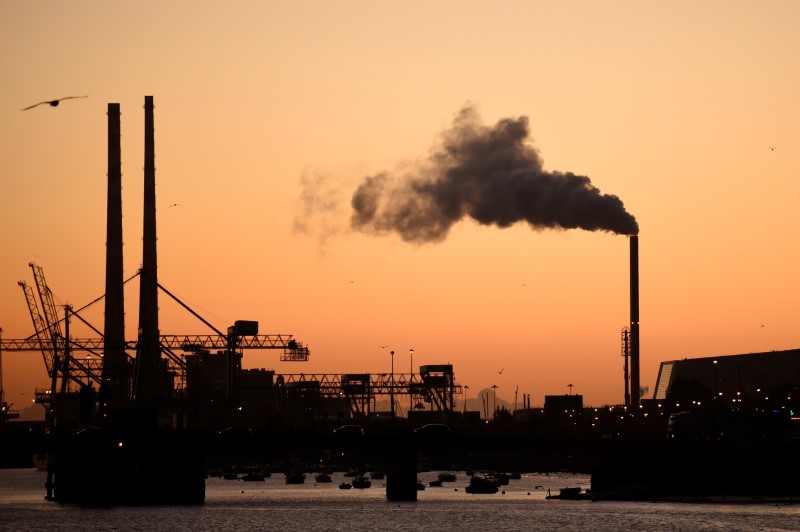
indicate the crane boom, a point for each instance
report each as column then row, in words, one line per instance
column 35, row 342
column 184, row 342
column 48, row 304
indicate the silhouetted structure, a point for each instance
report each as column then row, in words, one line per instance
column 152, row 385
column 116, row 371
column 634, row 327
column 563, row 405
column 753, row 381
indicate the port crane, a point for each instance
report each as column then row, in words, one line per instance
column 79, row 361
column 433, row 385
column 5, row 409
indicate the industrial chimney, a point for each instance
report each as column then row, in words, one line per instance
column 634, row 330
column 148, row 384
column 115, row 386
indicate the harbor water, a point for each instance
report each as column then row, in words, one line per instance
column 273, row 505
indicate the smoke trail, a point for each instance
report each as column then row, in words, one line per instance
column 490, row 175
column 320, row 210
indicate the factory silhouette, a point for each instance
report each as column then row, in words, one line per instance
column 120, row 412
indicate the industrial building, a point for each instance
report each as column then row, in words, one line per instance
column 767, row 380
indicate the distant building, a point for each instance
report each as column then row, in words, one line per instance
column 563, row 405
column 762, row 379
column 258, row 395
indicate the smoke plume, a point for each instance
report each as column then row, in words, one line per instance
column 489, row 174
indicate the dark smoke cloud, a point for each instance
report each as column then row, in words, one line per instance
column 489, row 174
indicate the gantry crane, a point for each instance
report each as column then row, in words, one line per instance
column 5, row 409
column 79, row 360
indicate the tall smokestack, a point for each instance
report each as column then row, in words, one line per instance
column 148, row 383
column 115, row 387
column 635, row 388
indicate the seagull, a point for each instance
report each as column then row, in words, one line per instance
column 501, row 371
column 771, row 148
column 53, row 103
column 176, row 205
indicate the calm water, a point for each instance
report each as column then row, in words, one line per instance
column 272, row 505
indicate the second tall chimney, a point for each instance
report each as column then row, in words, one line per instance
column 149, row 383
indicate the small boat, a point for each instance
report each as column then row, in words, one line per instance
column 377, row 475
column 516, row 475
column 482, row 484
column 295, row 477
column 502, row 478
column 571, row 494
column 420, row 486
column 447, row 477
column 435, row 483
column 361, row 482
column 345, row 486
column 253, row 477
column 323, row 478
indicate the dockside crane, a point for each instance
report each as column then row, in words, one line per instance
column 55, row 345
column 80, row 360
column 5, row 409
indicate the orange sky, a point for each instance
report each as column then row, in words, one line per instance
column 670, row 107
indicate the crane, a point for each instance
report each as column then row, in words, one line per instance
column 58, row 347
column 5, row 409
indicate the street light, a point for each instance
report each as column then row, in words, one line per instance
column 494, row 399
column 715, row 378
column 410, row 386
column 391, row 385
column 465, row 398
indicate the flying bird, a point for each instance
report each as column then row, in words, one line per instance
column 53, row 103
column 176, row 205
column 501, row 371
column 771, row 148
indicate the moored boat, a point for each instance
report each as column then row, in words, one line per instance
column 361, row 482
column 295, row 477
column 482, row 484
column 571, row 494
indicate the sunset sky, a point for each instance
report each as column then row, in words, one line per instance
column 269, row 115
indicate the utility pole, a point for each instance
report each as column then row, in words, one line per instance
column 411, row 386
column 391, row 385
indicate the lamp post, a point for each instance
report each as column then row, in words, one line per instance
column 410, row 385
column 715, row 379
column 465, row 398
column 494, row 399
column 391, row 385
